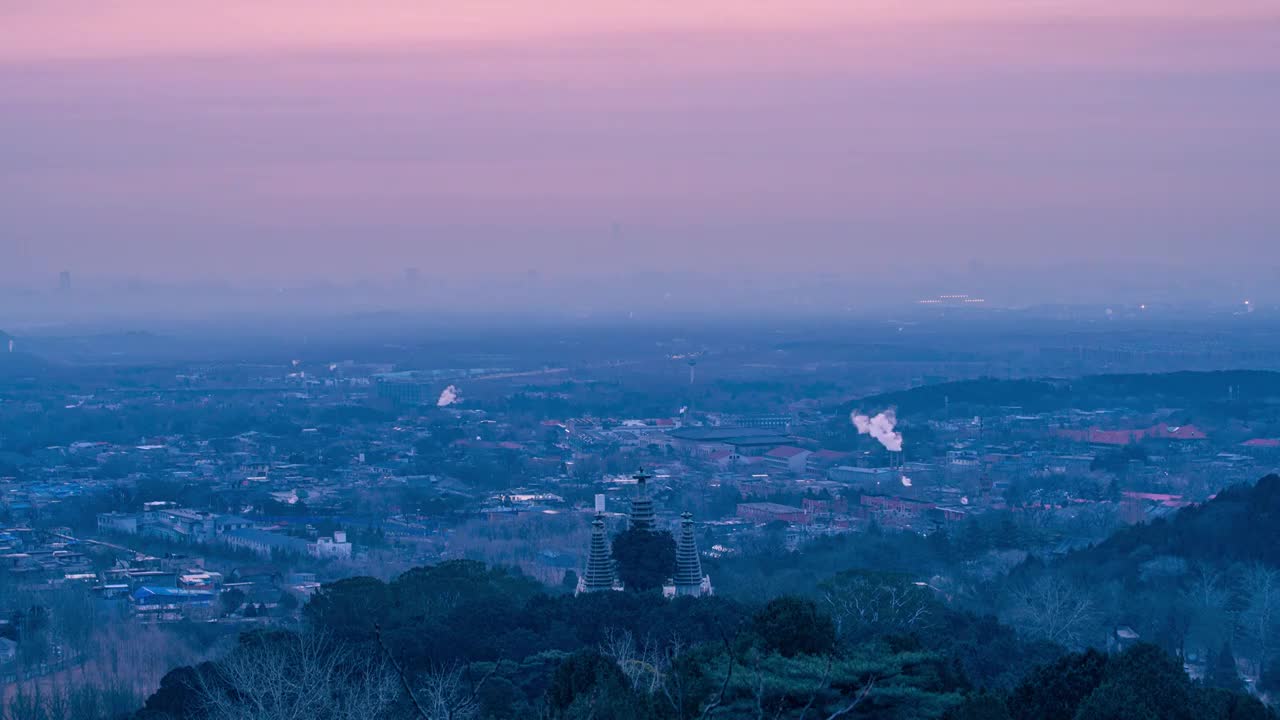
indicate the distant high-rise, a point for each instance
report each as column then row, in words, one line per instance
column 642, row 505
column 599, row 575
column 64, row 280
column 689, row 579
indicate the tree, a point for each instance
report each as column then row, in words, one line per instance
column 982, row 706
column 570, row 581
column 1146, row 678
column 231, row 600
column 1260, row 618
column 1269, row 680
column 1222, row 672
column 287, row 676
column 863, row 602
column 1054, row 610
column 442, row 696
column 644, row 560
column 588, row 684
column 1116, row 701
column 1052, row 692
column 794, row 626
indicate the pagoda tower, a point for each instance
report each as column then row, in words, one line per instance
column 599, row 574
column 642, row 505
column 689, row 579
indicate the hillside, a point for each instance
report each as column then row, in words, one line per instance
column 18, row 364
column 1207, row 391
column 1240, row 525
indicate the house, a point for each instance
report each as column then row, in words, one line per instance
column 167, row 604
column 823, row 459
column 1163, row 431
column 1121, row 638
column 865, row 478
column 335, row 547
column 264, row 543
column 724, row 458
column 767, row 512
column 789, row 457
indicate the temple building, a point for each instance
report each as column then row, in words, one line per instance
column 688, row 578
column 642, row 517
column 599, row 574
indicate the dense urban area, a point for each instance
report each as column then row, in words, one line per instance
column 958, row 512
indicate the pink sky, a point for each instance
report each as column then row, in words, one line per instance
column 196, row 138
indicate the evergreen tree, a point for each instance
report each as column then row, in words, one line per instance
column 644, row 560
column 794, row 626
column 982, row 706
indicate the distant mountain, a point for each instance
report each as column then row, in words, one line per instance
column 18, row 364
column 1210, row 390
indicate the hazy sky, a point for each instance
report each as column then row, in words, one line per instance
column 299, row 139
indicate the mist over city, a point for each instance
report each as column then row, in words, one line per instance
column 498, row 360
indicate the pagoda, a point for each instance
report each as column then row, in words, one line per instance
column 599, row 574
column 688, row 579
column 642, row 505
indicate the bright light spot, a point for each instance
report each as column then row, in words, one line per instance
column 906, row 481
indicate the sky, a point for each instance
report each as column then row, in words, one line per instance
column 315, row 140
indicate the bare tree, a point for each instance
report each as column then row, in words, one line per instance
column 1260, row 590
column 1208, row 598
column 1053, row 609
column 866, row 601
column 296, row 677
column 645, row 665
column 443, row 695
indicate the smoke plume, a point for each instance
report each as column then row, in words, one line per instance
column 448, row 397
column 879, row 427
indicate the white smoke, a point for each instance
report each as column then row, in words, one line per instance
column 448, row 397
column 906, row 481
column 684, row 409
column 879, row 427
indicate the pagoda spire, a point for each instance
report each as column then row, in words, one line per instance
column 599, row 574
column 642, row 517
column 689, row 579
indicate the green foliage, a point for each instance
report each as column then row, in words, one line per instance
column 559, row 656
column 982, row 706
column 794, row 626
column 644, row 560
column 1052, row 692
column 587, row 684
column 1142, row 683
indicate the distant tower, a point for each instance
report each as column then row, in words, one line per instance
column 689, row 579
column 64, row 281
column 599, row 575
column 642, row 504
column 693, row 363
